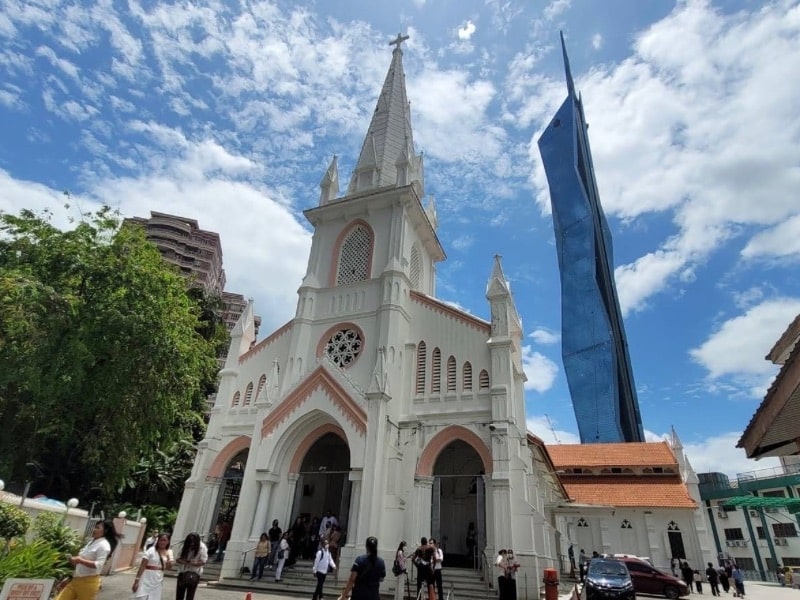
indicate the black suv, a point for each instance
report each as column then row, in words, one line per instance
column 607, row 579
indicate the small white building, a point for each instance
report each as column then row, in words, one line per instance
column 640, row 499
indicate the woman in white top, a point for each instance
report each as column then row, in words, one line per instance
column 438, row 559
column 283, row 554
column 150, row 577
column 85, row 583
column 323, row 562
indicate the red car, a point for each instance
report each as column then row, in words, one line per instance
column 649, row 580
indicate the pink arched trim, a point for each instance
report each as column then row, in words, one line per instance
column 354, row 414
column 442, row 439
column 337, row 249
column 226, row 455
column 310, row 440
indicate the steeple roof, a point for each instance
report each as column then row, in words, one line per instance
column 387, row 155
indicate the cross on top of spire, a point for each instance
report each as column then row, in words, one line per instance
column 398, row 40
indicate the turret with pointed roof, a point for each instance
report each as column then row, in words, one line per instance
column 387, row 155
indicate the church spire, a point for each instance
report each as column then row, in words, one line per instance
column 387, row 155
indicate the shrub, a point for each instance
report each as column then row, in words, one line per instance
column 51, row 528
column 14, row 522
column 35, row 560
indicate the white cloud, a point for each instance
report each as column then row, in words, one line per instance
column 781, row 240
column 540, row 370
column 545, row 428
column 556, row 8
column 545, row 336
column 597, row 41
column 719, row 454
column 737, row 348
column 466, row 30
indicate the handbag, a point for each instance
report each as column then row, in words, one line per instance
column 190, row 578
column 396, row 569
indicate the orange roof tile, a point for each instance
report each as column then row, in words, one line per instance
column 655, row 491
column 631, row 454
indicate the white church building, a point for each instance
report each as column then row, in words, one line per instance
column 401, row 414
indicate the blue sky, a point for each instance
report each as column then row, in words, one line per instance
column 230, row 112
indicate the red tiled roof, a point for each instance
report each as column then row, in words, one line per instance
column 654, row 491
column 632, row 454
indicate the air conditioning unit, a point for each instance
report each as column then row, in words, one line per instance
column 737, row 542
column 781, row 542
column 722, row 514
column 753, row 513
column 729, row 542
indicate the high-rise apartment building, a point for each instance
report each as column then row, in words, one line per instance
column 197, row 253
column 594, row 346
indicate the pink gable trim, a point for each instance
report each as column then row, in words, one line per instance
column 451, row 312
column 265, row 342
column 442, row 439
column 226, row 454
column 319, row 378
column 310, row 440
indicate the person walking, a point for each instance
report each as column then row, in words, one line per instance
column 334, row 542
column 400, row 570
column 422, row 562
column 283, row 555
column 675, row 565
column 194, row 554
column 698, row 581
column 366, row 574
column 274, row 534
column 738, row 581
column 687, row 573
column 713, row 579
column 724, row 581
column 582, row 564
column 438, row 558
column 571, row 555
column 149, row 579
column 500, row 565
column 223, row 535
column 262, row 554
column 323, row 562
column 512, row 566
column 88, row 563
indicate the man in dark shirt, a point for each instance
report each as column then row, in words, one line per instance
column 713, row 579
column 423, row 560
column 274, row 534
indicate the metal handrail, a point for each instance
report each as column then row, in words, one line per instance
column 486, row 575
column 244, row 559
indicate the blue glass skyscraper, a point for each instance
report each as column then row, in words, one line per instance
column 594, row 346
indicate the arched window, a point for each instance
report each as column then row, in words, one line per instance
column 414, row 268
column 354, row 256
column 422, row 359
column 262, row 381
column 483, row 380
column 248, row 394
column 466, row 381
column 235, row 402
column 451, row 374
column 436, row 371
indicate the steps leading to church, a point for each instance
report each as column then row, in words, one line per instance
column 300, row 581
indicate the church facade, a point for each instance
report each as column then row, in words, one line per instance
column 399, row 413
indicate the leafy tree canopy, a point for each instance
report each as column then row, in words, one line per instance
column 105, row 357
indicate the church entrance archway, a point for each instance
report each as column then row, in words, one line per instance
column 228, row 499
column 324, row 483
column 459, row 502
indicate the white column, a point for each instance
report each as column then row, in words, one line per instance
column 423, row 489
column 211, row 491
column 355, row 525
column 258, row 526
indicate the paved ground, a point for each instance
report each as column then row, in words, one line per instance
column 754, row 590
column 118, row 587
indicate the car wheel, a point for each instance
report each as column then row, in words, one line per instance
column 672, row 592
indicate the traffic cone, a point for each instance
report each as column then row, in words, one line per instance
column 249, row 596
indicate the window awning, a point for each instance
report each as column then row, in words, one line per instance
column 790, row 504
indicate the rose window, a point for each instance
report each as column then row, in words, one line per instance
column 344, row 347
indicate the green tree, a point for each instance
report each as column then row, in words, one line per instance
column 103, row 359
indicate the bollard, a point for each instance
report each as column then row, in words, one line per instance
column 550, row 584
